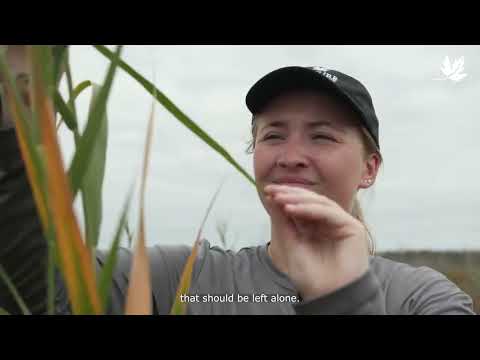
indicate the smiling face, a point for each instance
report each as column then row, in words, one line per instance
column 309, row 139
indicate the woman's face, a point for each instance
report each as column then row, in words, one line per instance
column 308, row 139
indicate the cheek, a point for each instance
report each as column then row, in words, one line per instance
column 262, row 163
column 341, row 173
column 344, row 167
column 346, row 162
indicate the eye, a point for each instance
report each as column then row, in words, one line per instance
column 323, row 137
column 272, row 137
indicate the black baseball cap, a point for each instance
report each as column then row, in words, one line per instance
column 352, row 91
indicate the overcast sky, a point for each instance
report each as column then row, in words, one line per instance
column 427, row 195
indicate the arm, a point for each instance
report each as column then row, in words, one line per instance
column 362, row 297
column 324, row 250
column 326, row 258
column 409, row 291
column 23, row 250
column 428, row 292
column 166, row 266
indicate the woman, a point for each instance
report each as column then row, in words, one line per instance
column 315, row 145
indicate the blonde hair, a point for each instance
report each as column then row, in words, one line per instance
column 370, row 147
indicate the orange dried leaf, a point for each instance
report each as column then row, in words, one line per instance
column 139, row 294
column 75, row 257
column 179, row 307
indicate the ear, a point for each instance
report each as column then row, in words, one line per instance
column 370, row 170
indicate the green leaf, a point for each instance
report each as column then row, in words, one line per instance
column 4, row 312
column 84, row 152
column 67, row 114
column 13, row 290
column 76, row 262
column 108, row 267
column 28, row 146
column 179, row 307
column 60, row 55
column 175, row 111
column 93, row 180
column 129, row 234
column 46, row 65
column 71, row 101
column 33, row 156
column 78, row 90
column 74, row 94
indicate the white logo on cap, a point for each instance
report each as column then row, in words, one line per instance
column 322, row 70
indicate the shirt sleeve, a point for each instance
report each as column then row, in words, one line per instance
column 429, row 292
column 364, row 296
column 23, row 250
column 166, row 266
column 408, row 291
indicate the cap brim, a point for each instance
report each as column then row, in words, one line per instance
column 287, row 79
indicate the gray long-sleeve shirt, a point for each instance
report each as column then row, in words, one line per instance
column 245, row 282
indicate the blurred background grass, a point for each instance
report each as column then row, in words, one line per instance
column 461, row 267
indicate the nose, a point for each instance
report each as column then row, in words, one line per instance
column 292, row 156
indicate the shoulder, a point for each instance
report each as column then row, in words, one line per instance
column 388, row 270
column 209, row 258
column 174, row 257
column 215, row 257
column 418, row 290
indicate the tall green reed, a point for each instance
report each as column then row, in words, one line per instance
column 37, row 128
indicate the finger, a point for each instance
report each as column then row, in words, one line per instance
column 276, row 209
column 302, row 226
column 275, row 188
column 316, row 212
column 280, row 189
column 297, row 198
column 285, row 223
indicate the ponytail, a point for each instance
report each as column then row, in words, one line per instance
column 357, row 213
